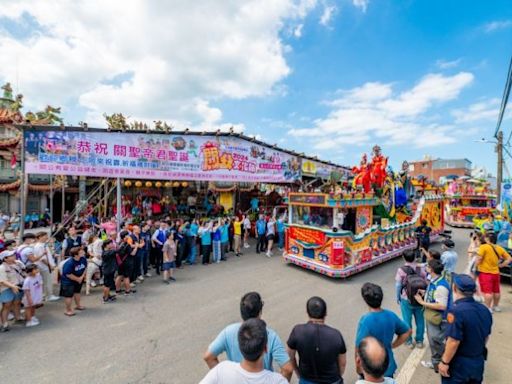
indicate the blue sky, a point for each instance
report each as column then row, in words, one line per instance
column 329, row 78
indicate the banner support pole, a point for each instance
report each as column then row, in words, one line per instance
column 118, row 203
column 23, row 182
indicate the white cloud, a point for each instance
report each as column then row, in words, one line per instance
column 327, row 14
column 486, row 110
column 297, row 32
column 362, row 4
column 444, row 64
column 373, row 112
column 432, row 88
column 181, row 59
column 497, row 25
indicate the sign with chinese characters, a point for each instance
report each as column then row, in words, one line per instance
column 156, row 156
column 307, row 235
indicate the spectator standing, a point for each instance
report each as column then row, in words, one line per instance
column 382, row 324
column 321, row 349
column 216, row 241
column 25, row 252
column 231, row 233
column 237, row 230
column 435, row 301
column 11, row 282
column 449, row 256
column 261, row 230
column 205, row 232
column 169, row 255
column 73, row 240
column 181, row 243
column 73, row 275
column 423, row 235
column 251, row 307
column 145, row 235
column 158, row 240
column 109, row 270
column 491, row 258
column 192, row 234
column 271, row 234
column 372, row 360
column 4, row 222
column 46, row 264
column 139, row 244
column 224, row 239
column 252, row 338
column 32, row 294
column 125, row 263
column 469, row 326
column 408, row 279
column 94, row 250
column 247, row 230
column 280, row 232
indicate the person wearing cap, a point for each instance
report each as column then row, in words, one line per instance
column 467, row 332
column 449, row 256
column 25, row 251
column 43, row 258
column 11, row 281
column 436, row 300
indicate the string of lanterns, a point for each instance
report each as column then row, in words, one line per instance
column 158, row 184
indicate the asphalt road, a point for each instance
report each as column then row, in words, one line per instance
column 160, row 334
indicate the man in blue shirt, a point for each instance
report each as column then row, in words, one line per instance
column 449, row 256
column 261, row 229
column 192, row 232
column 469, row 327
column 224, row 239
column 381, row 324
column 251, row 306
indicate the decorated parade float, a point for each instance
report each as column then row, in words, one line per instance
column 467, row 202
column 342, row 232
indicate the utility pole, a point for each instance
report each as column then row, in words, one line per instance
column 499, row 173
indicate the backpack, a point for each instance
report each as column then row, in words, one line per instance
column 412, row 282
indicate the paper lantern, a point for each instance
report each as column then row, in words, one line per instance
column 184, row 184
column 158, row 184
column 138, row 184
column 148, row 184
column 168, row 184
column 127, row 183
column 176, row 184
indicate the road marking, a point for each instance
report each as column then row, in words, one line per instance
column 407, row 372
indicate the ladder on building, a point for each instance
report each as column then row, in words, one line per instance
column 101, row 193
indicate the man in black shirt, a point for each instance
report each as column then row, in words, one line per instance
column 423, row 236
column 322, row 351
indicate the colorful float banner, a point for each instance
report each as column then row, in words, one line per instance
column 156, row 156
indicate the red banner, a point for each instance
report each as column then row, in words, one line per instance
column 307, row 235
column 474, row 210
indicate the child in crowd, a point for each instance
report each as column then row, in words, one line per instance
column 169, row 257
column 33, row 294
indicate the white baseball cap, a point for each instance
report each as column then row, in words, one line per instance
column 5, row 254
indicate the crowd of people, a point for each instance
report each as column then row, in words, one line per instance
column 317, row 352
column 94, row 252
column 433, row 299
